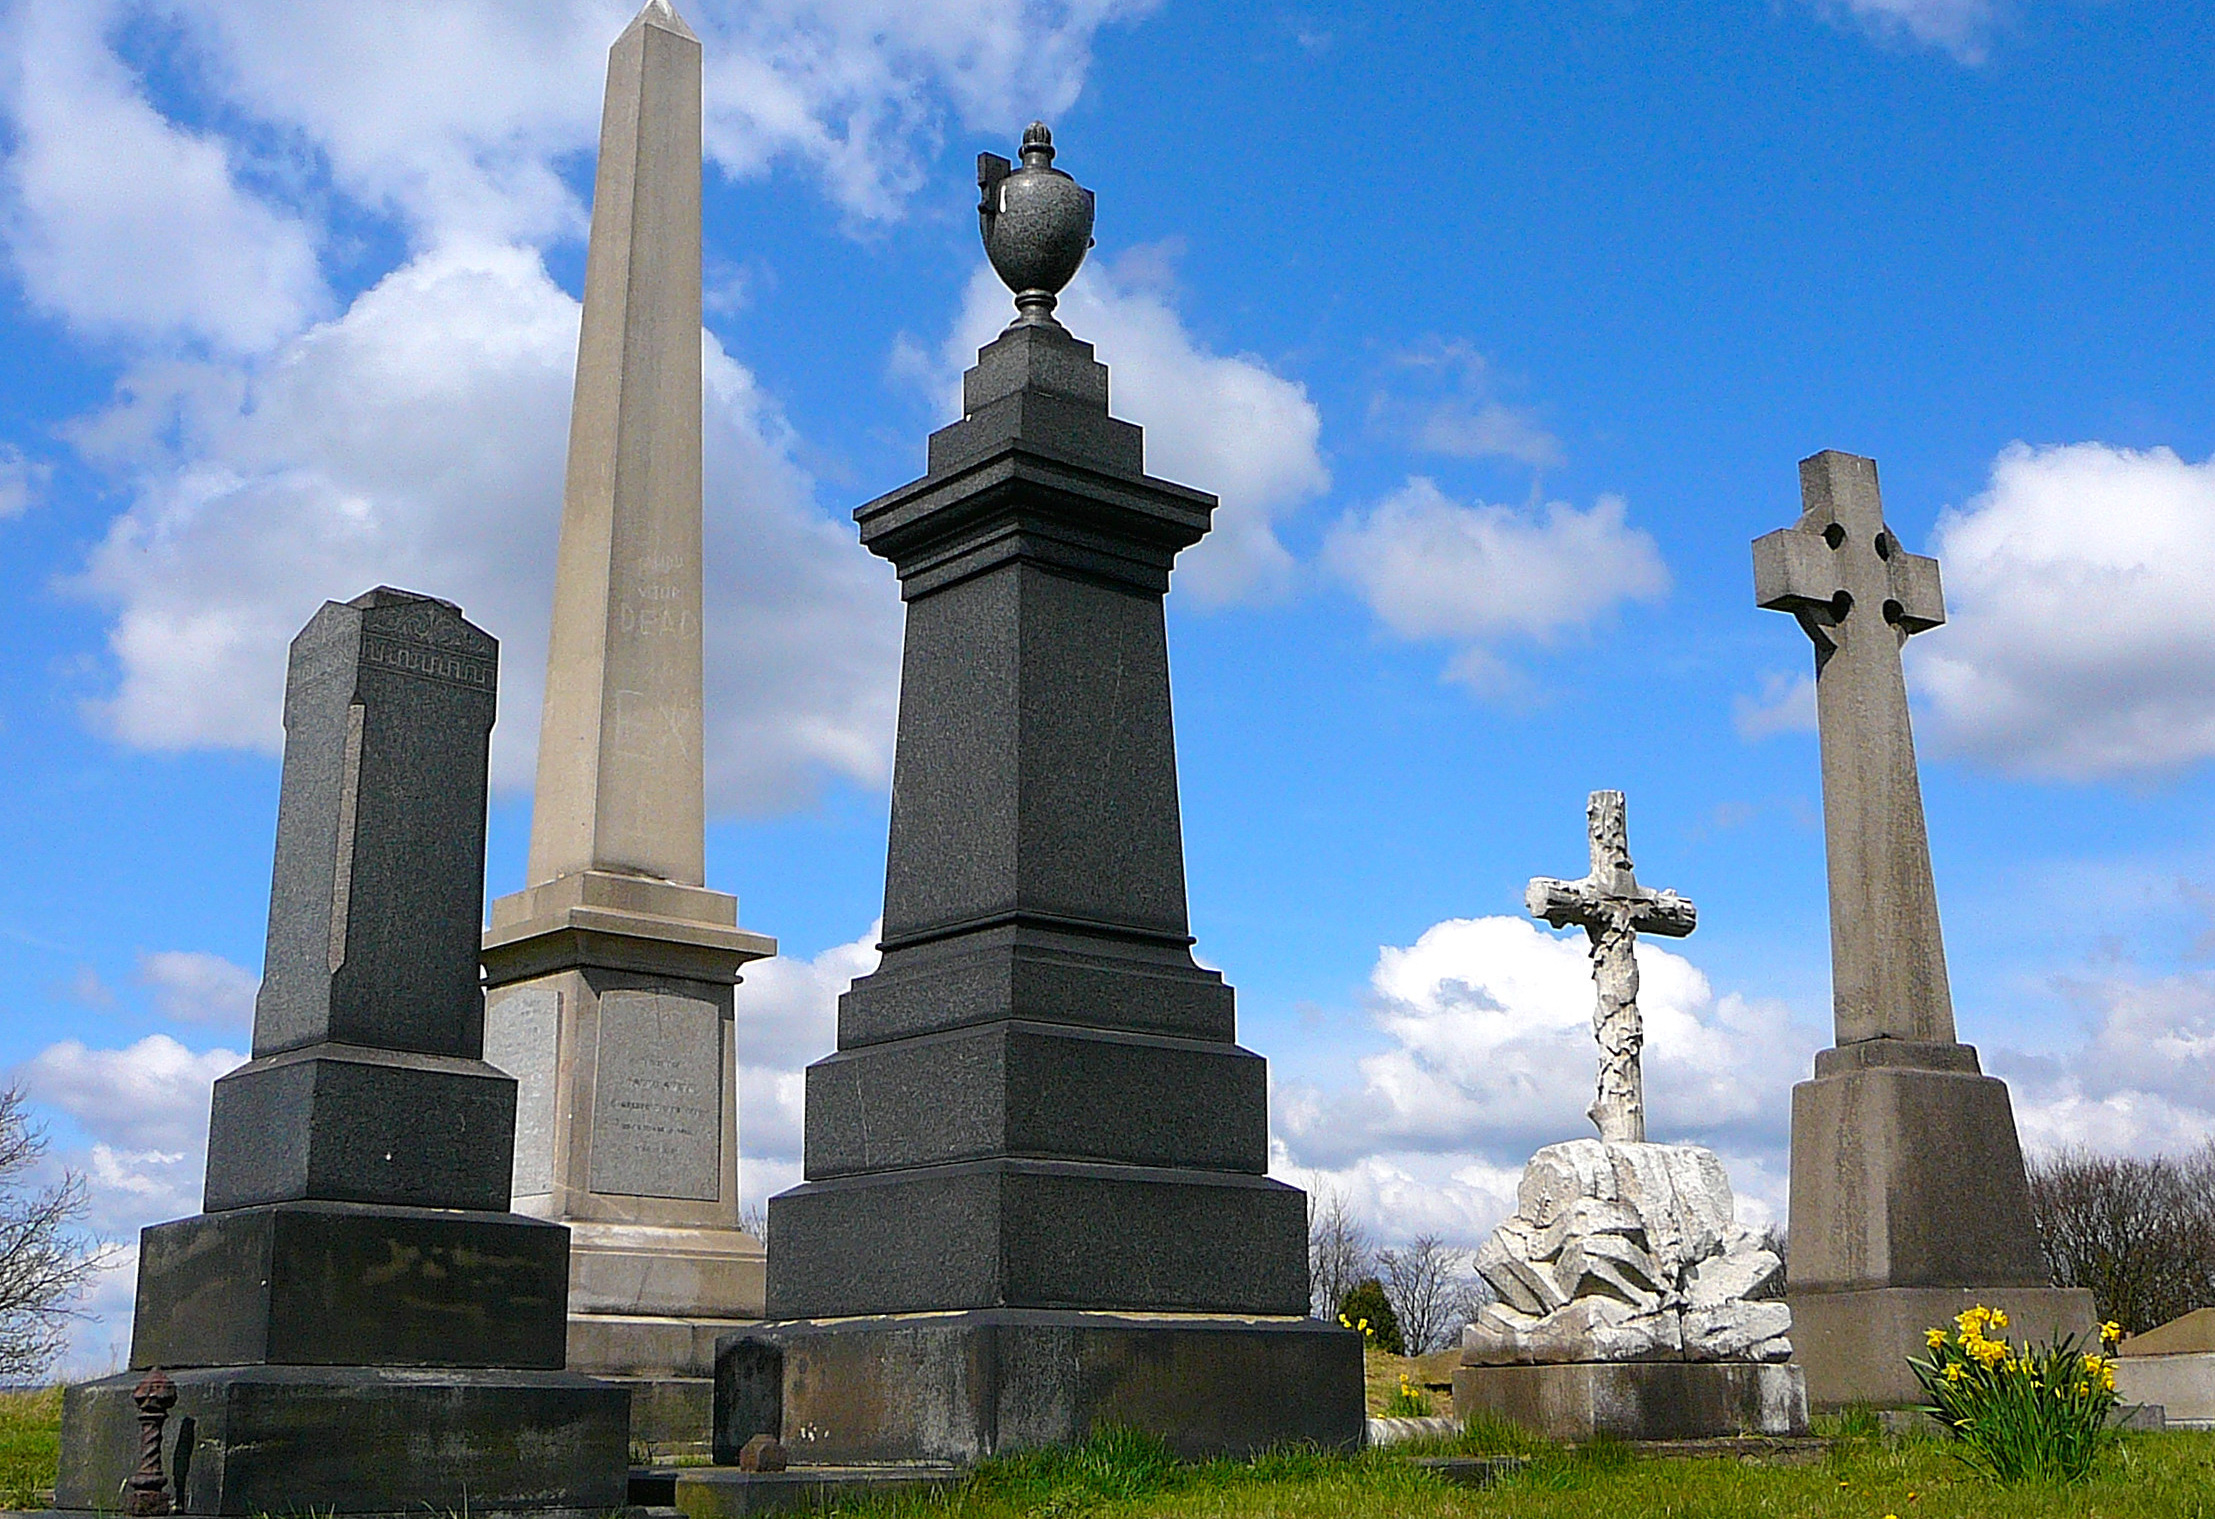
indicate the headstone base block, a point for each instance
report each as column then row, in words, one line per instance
column 961, row 1387
column 247, row 1440
column 1855, row 1345
column 1639, row 1400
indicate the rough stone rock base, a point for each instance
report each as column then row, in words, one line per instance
column 1854, row 1345
column 959, row 1387
column 1638, row 1400
column 348, row 1440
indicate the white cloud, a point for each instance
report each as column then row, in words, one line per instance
column 2081, row 594
column 22, row 480
column 787, row 1013
column 417, row 441
column 1438, row 397
column 1960, row 27
column 150, row 1097
column 125, row 224
column 1786, row 705
column 193, row 986
column 454, row 115
column 2144, row 1080
column 1491, row 1056
column 1430, row 567
column 143, row 1114
column 1227, row 425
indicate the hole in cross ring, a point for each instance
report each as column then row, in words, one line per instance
column 1840, row 605
column 1834, row 535
column 1884, row 545
column 1893, row 612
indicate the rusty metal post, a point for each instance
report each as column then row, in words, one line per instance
column 147, row 1491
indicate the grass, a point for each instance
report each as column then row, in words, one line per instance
column 1125, row 1476
column 1382, row 1370
column 30, row 1446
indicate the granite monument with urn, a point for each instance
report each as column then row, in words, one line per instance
column 357, row 1324
column 1036, row 1198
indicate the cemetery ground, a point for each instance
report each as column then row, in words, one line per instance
column 1851, row 1472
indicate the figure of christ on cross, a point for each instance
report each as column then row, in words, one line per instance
column 1613, row 910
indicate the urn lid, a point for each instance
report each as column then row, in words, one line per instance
column 1037, row 224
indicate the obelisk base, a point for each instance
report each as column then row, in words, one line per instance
column 961, row 1387
column 1639, row 1400
column 1909, row 1204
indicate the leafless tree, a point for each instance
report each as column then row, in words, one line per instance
column 754, row 1219
column 2140, row 1234
column 45, row 1260
column 1424, row 1281
column 1340, row 1251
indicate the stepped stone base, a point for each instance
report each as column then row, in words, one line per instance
column 1638, row 1400
column 960, row 1387
column 249, row 1440
column 1855, row 1345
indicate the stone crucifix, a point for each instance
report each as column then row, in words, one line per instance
column 1858, row 594
column 1613, row 910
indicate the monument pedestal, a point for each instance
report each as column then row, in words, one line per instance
column 609, row 999
column 1639, row 1400
column 961, row 1387
column 1909, row 1204
column 356, row 1440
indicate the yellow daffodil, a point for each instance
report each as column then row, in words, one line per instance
column 2111, row 1331
column 1935, row 1338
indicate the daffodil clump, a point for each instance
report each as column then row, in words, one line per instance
column 1409, row 1402
column 2019, row 1412
column 1368, row 1335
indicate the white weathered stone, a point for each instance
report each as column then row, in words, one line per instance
column 1738, row 1331
column 1729, row 1277
column 1625, row 1252
column 1613, row 910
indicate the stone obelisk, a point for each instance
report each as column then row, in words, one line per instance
column 611, row 975
column 1037, row 1196
column 1908, row 1196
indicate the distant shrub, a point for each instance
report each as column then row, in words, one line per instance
column 2139, row 1234
column 1367, row 1308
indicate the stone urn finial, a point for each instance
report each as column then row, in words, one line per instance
column 1037, row 224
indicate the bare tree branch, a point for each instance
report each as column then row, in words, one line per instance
column 45, row 1260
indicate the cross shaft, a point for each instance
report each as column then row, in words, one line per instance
column 1859, row 596
column 1613, row 910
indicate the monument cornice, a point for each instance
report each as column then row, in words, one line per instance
column 1025, row 501
column 600, row 938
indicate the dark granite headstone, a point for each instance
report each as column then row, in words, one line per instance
column 357, row 1289
column 1037, row 1129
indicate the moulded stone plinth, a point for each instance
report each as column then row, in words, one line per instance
column 1638, row 1400
column 1855, row 1345
column 1040, row 1234
column 959, row 1387
column 1906, row 1172
column 350, row 1440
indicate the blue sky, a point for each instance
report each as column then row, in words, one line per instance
column 1499, row 329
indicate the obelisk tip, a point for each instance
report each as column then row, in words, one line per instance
column 664, row 15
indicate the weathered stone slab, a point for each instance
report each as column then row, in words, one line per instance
column 522, row 1028
column 1638, row 1400
column 2190, row 1334
column 961, row 1387
column 657, row 1105
column 293, row 1440
column 1855, row 1345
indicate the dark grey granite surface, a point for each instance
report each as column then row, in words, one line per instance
column 358, row 1324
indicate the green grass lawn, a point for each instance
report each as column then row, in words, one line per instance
column 2166, row 1476
column 30, row 1446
